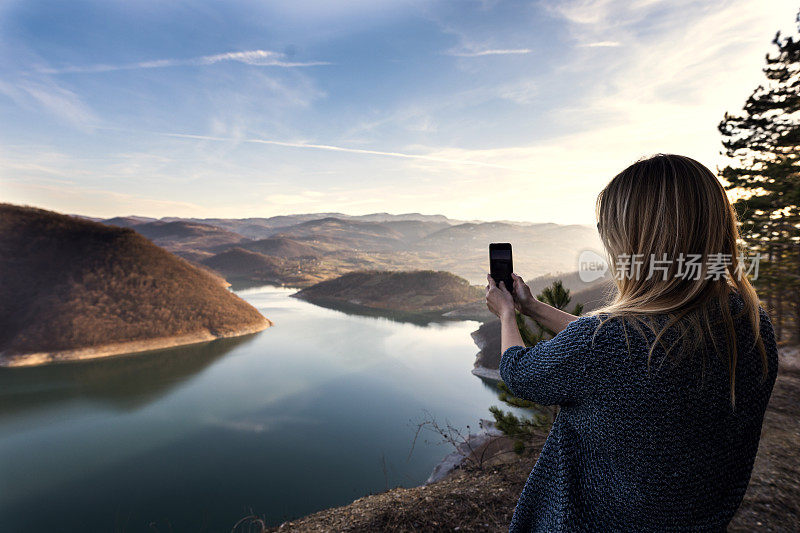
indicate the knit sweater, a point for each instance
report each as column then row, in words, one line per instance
column 638, row 449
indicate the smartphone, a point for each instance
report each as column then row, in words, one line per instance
column 500, row 264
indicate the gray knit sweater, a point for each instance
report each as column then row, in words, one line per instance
column 634, row 449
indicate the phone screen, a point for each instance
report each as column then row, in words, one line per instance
column 500, row 263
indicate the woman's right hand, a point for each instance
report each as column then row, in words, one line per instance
column 523, row 297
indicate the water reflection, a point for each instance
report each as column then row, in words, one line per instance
column 403, row 317
column 316, row 411
column 123, row 383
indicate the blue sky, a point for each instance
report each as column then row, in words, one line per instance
column 473, row 109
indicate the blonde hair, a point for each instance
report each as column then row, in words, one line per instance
column 664, row 208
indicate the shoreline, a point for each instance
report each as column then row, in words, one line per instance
column 489, row 374
column 125, row 348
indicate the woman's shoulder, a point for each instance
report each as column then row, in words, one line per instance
column 592, row 328
column 599, row 324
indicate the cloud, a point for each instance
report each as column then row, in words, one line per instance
column 490, row 52
column 332, row 148
column 259, row 58
column 46, row 95
column 521, row 92
column 599, row 12
column 602, row 44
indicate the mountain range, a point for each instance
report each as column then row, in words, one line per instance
column 307, row 248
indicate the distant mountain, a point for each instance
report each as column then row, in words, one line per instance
column 183, row 235
column 421, row 291
column 76, row 289
column 127, row 222
column 238, row 263
column 258, row 228
column 537, row 248
column 335, row 233
column 281, row 247
column 405, row 217
column 411, row 231
column 478, row 235
column 255, row 227
column 330, row 244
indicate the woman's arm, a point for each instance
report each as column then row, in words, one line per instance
column 552, row 371
column 509, row 332
column 501, row 303
column 555, row 371
column 553, row 319
column 548, row 316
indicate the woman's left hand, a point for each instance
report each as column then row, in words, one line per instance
column 498, row 299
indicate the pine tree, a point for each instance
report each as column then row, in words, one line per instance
column 764, row 142
column 556, row 296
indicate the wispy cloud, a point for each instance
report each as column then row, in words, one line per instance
column 332, row 148
column 489, row 52
column 259, row 58
column 602, row 44
column 49, row 96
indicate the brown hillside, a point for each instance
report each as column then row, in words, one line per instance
column 127, row 222
column 414, row 291
column 181, row 235
column 281, row 247
column 70, row 284
column 241, row 262
column 335, row 234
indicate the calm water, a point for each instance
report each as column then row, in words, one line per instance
column 297, row 418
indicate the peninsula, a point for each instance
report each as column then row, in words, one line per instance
column 77, row 289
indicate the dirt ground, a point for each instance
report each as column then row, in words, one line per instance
column 483, row 499
column 772, row 502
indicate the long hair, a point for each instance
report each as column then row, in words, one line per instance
column 672, row 240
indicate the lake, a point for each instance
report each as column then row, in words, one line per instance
column 314, row 412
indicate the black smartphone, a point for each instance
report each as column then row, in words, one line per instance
column 500, row 264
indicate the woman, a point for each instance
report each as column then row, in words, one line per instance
column 663, row 391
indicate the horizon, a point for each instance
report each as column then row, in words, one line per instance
column 238, row 110
column 325, row 214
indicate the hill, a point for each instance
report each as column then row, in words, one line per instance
column 238, row 263
column 75, row 289
column 259, row 227
column 335, row 233
column 126, row 222
column 183, row 235
column 340, row 243
column 413, row 230
column 421, row 291
column 281, row 247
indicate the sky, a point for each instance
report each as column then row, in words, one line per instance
column 491, row 110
